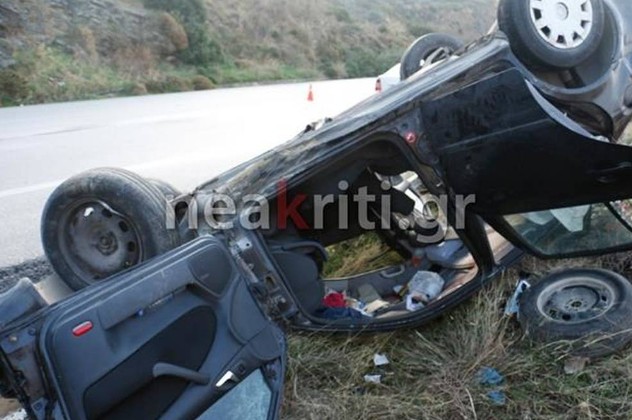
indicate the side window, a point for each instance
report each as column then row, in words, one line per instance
column 250, row 399
column 577, row 229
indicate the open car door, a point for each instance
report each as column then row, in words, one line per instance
column 180, row 337
column 539, row 178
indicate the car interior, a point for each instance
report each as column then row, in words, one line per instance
column 418, row 233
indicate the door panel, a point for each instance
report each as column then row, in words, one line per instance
column 157, row 340
column 535, row 173
column 500, row 140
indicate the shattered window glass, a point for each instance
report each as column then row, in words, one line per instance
column 250, row 399
column 576, row 229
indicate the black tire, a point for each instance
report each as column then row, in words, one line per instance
column 515, row 20
column 590, row 308
column 422, row 48
column 104, row 221
column 167, row 189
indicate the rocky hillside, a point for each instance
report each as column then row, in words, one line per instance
column 54, row 50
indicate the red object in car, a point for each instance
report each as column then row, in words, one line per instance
column 82, row 329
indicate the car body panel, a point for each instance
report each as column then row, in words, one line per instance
column 189, row 311
column 388, row 79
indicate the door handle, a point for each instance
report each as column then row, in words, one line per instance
column 229, row 377
column 388, row 274
column 166, row 369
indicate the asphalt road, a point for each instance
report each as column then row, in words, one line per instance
column 184, row 139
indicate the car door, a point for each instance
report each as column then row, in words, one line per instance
column 180, row 337
column 537, row 176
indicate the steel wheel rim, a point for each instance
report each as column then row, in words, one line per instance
column 435, row 56
column 563, row 24
column 97, row 241
column 576, row 300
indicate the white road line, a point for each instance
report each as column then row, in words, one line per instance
column 173, row 161
column 31, row 188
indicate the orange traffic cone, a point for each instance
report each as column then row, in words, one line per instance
column 310, row 94
column 378, row 86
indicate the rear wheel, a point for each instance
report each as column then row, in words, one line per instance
column 104, row 221
column 427, row 50
column 590, row 308
column 558, row 34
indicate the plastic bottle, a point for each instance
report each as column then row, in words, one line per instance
column 426, row 284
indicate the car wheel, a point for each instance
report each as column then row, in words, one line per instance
column 589, row 307
column 426, row 50
column 165, row 188
column 101, row 222
column 558, row 34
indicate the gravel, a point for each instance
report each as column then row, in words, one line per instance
column 35, row 270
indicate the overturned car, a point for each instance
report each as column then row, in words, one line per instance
column 505, row 146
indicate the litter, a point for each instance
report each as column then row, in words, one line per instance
column 398, row 290
column 575, row 365
column 368, row 294
column 376, row 306
column 335, row 300
column 340, row 313
column 513, row 304
column 380, row 360
column 427, row 284
column 373, row 379
column 422, row 289
column 413, row 304
column 497, row 397
column 490, row 377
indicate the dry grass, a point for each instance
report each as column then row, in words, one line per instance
column 202, row 83
column 175, row 31
column 86, row 41
column 133, row 60
column 433, row 370
column 345, row 261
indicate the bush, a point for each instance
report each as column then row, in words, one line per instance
column 175, row 32
column 201, row 83
column 139, row 89
column 13, row 85
column 202, row 49
column 168, row 84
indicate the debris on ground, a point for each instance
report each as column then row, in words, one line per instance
column 513, row 304
column 424, row 287
column 489, row 377
column 575, row 365
column 497, row 397
column 380, row 360
column 373, row 379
